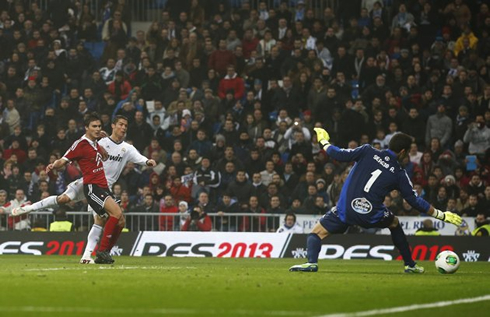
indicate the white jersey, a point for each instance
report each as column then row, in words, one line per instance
column 119, row 155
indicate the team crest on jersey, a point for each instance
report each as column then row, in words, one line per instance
column 123, row 150
column 361, row 205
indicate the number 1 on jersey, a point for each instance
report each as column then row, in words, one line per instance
column 371, row 181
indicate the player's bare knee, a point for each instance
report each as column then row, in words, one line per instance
column 63, row 199
column 320, row 231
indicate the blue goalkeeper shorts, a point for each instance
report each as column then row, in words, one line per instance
column 332, row 222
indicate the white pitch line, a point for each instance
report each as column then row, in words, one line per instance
column 85, row 267
column 156, row 311
column 402, row 309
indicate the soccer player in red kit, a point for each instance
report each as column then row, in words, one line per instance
column 90, row 156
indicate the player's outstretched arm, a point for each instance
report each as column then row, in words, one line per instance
column 151, row 163
column 445, row 216
column 407, row 192
column 59, row 163
column 342, row 155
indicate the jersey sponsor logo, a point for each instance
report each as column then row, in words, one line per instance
column 117, row 158
column 97, row 170
column 361, row 205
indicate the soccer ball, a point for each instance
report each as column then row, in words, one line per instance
column 447, row 262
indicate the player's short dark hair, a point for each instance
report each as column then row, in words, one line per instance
column 91, row 117
column 400, row 141
column 288, row 215
column 119, row 117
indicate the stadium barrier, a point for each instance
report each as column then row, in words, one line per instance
column 145, row 221
column 245, row 245
column 236, row 222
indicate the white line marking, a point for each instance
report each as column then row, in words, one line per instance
column 94, row 267
column 402, row 309
column 155, row 311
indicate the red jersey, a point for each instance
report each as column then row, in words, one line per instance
column 86, row 152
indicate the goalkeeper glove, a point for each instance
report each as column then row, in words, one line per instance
column 448, row 217
column 322, row 137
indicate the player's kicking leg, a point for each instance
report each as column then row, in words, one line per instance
column 74, row 191
column 401, row 243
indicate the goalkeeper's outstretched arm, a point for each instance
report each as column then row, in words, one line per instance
column 445, row 216
column 407, row 192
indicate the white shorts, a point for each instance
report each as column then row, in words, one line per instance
column 74, row 190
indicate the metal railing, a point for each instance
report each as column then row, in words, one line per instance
column 150, row 10
column 138, row 221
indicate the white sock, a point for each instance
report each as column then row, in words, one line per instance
column 92, row 240
column 45, row 203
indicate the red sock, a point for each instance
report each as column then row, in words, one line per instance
column 109, row 230
column 115, row 236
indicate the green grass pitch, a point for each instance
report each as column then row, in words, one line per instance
column 150, row 286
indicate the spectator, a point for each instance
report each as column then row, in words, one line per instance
column 60, row 223
column 231, row 83
column 478, row 136
column 179, row 191
column 15, row 223
column 473, row 209
column 476, row 186
column 119, row 88
column 107, row 73
column 427, row 229
column 482, row 226
column 205, row 179
column 167, row 222
column 290, row 225
column 198, row 220
column 240, row 189
column 226, row 221
column 439, row 126
column 140, row 132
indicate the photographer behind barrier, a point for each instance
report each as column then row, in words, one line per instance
column 198, row 220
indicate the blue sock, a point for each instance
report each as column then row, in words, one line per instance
column 314, row 244
column 400, row 241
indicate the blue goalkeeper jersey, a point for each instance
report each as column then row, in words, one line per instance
column 374, row 174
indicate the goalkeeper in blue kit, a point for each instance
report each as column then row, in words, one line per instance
column 374, row 174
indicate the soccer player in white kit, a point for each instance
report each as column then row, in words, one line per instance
column 119, row 154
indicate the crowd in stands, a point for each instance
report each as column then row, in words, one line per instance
column 225, row 95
